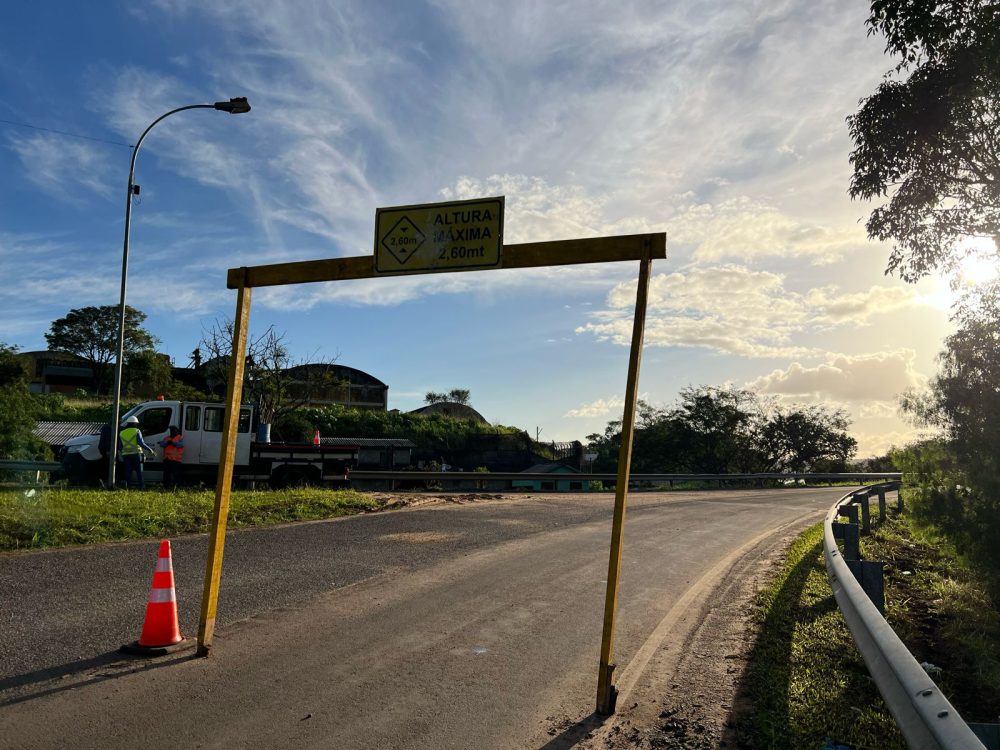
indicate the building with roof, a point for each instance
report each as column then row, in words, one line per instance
column 378, row 453
column 341, row 385
column 56, row 372
column 564, row 479
column 317, row 384
column 57, row 434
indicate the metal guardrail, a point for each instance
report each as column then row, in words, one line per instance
column 467, row 477
column 474, row 476
column 925, row 717
column 8, row 465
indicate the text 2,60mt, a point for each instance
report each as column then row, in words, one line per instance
column 456, row 252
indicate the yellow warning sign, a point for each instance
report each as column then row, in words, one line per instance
column 437, row 237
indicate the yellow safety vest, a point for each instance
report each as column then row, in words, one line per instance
column 130, row 441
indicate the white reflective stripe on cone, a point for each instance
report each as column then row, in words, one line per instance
column 163, row 565
column 158, row 596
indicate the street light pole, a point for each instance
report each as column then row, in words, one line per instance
column 238, row 105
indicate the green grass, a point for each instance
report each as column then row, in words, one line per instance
column 54, row 517
column 942, row 608
column 806, row 680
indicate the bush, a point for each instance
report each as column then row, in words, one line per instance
column 292, row 428
column 940, row 494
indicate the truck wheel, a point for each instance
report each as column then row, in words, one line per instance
column 286, row 477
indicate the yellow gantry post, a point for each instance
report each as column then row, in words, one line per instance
column 227, row 457
column 606, row 693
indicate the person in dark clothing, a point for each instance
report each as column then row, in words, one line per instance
column 131, row 447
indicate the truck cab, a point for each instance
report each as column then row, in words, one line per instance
column 85, row 459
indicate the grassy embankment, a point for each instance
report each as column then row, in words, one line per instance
column 807, row 681
column 54, row 517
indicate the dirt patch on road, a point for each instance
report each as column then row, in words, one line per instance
column 419, row 537
column 395, row 501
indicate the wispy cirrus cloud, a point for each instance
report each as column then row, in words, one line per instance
column 736, row 310
column 60, row 166
column 747, row 229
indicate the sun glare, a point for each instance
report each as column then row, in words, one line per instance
column 981, row 266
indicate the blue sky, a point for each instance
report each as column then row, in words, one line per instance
column 720, row 123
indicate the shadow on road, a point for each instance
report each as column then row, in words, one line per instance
column 576, row 733
column 773, row 647
column 80, row 673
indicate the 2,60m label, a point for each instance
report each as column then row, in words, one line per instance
column 437, row 237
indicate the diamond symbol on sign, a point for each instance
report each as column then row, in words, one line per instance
column 403, row 240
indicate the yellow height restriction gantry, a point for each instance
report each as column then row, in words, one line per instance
column 440, row 238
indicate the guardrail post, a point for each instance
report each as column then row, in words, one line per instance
column 869, row 573
column 899, row 499
column 881, row 504
column 852, row 541
column 988, row 734
column 866, row 518
column 851, row 511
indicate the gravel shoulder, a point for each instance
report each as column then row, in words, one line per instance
column 690, row 696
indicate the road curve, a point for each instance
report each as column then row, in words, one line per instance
column 451, row 626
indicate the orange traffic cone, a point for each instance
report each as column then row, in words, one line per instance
column 316, row 437
column 161, row 632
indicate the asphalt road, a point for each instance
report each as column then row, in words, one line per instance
column 474, row 625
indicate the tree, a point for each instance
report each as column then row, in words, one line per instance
column 148, row 374
column 459, row 396
column 931, row 141
column 92, row 334
column 723, row 429
column 964, row 397
column 811, row 438
column 11, row 369
column 606, row 446
column 274, row 382
column 17, row 410
column 959, row 486
column 728, row 430
column 454, row 396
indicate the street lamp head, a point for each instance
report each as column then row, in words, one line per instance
column 236, row 106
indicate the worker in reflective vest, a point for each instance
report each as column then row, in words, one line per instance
column 130, row 450
column 173, row 456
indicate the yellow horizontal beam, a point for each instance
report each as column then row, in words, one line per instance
column 524, row 255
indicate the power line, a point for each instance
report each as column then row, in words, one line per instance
column 63, row 132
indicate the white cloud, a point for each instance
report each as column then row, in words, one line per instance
column 736, row 310
column 878, row 443
column 878, row 377
column 60, row 166
column 842, row 307
column 535, row 211
column 878, row 410
column 599, row 408
column 744, row 228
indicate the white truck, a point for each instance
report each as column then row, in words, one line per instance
column 85, row 459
